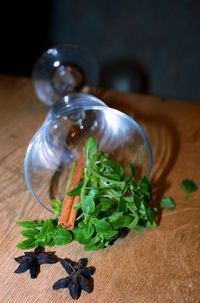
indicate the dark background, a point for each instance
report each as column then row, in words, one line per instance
column 141, row 46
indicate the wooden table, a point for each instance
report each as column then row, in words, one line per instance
column 162, row 265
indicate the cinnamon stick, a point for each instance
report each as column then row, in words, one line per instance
column 73, row 214
column 68, row 201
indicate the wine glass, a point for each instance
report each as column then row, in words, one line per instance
column 73, row 117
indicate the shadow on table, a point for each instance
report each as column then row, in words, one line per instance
column 165, row 143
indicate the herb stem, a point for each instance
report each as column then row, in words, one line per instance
column 107, row 179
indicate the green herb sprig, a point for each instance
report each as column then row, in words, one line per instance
column 111, row 203
column 43, row 233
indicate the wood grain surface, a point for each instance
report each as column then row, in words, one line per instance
column 158, row 266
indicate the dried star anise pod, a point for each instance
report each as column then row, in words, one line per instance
column 32, row 260
column 79, row 278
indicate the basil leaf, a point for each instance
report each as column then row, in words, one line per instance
column 167, row 203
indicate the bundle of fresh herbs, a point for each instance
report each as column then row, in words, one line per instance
column 109, row 203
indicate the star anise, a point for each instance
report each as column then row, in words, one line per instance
column 32, row 260
column 79, row 278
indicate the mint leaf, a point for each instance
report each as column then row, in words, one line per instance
column 188, row 186
column 106, row 204
column 26, row 244
column 27, row 224
column 110, row 234
column 90, row 151
column 77, row 206
column 139, row 228
column 122, row 204
column 62, row 236
column 167, row 203
column 93, row 244
column 127, row 220
column 93, row 192
column 132, row 169
column 151, row 213
column 40, row 233
column 134, row 222
column 76, row 191
column 88, row 230
column 29, row 233
column 88, row 205
column 116, row 220
column 40, row 242
column 113, row 177
column 102, row 226
column 113, row 167
column 47, row 226
column 137, row 201
column 56, row 207
column 130, row 204
column 151, row 225
column 79, row 235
